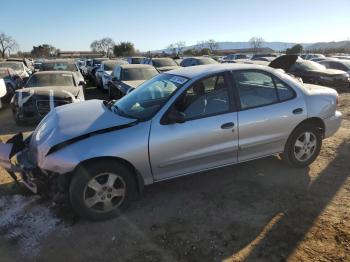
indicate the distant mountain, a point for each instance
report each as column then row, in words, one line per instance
column 328, row 45
column 277, row 46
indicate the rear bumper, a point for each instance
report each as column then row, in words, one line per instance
column 332, row 124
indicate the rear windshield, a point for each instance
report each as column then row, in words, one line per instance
column 164, row 62
column 206, row 61
column 39, row 80
column 59, row 66
column 130, row 74
column 136, row 60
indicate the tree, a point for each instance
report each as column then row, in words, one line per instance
column 124, row 49
column 256, row 43
column 295, row 50
column 180, row 46
column 201, row 45
column 177, row 48
column 104, row 46
column 190, row 52
column 7, row 44
column 212, row 45
column 172, row 49
column 44, row 50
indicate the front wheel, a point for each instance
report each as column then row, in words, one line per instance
column 303, row 146
column 102, row 190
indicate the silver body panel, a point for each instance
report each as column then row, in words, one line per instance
column 161, row 152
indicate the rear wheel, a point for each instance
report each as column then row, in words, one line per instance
column 303, row 146
column 102, row 190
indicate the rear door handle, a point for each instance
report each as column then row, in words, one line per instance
column 297, row 111
column 228, row 125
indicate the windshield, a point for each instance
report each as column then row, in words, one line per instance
column 206, row 61
column 131, row 74
column 13, row 65
column 164, row 62
column 145, row 101
column 39, row 80
column 310, row 65
column 59, row 66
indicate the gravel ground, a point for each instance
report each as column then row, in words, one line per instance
column 256, row 211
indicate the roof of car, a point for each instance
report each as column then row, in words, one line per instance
column 197, row 71
column 136, row 66
column 53, row 72
column 58, row 61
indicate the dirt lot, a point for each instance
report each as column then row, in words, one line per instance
column 256, row 211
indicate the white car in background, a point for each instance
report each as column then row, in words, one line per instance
column 3, row 90
column 19, row 67
column 103, row 73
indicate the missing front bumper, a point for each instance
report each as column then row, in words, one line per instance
column 14, row 159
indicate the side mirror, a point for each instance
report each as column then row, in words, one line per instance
column 81, row 83
column 175, row 116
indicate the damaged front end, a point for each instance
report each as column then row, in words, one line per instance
column 15, row 159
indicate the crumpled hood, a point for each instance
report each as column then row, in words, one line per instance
column 56, row 91
column 73, row 120
column 134, row 83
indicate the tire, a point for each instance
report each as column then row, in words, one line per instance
column 110, row 96
column 96, row 201
column 299, row 150
column 16, row 118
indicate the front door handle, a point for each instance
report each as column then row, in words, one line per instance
column 297, row 111
column 228, row 125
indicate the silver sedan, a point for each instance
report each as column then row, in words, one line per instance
column 184, row 121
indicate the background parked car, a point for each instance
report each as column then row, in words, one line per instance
column 231, row 57
column 27, row 62
column 63, row 65
column 311, row 56
column 104, row 71
column 23, row 71
column 3, row 91
column 161, row 64
column 43, row 91
column 193, row 61
column 12, row 82
column 257, row 56
column 343, row 65
column 127, row 77
column 92, row 67
column 311, row 72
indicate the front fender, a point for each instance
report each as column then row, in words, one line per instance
column 130, row 144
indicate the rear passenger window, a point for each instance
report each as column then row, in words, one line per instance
column 284, row 91
column 255, row 89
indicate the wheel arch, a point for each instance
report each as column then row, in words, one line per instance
column 137, row 175
column 316, row 121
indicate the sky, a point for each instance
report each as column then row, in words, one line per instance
column 71, row 25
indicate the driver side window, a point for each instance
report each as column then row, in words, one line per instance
column 205, row 98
